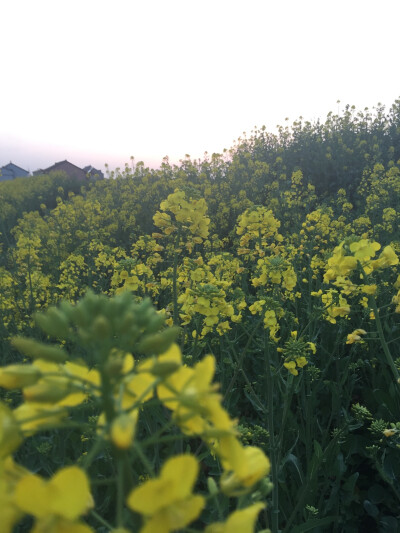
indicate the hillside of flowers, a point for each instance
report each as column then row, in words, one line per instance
column 210, row 346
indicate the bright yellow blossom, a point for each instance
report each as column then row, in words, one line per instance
column 57, row 503
column 192, row 397
column 167, row 502
column 243, row 465
column 355, row 336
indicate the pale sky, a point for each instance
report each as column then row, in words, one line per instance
column 96, row 81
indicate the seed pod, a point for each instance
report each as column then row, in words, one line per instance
column 47, row 392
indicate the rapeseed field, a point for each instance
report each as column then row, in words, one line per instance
column 210, row 346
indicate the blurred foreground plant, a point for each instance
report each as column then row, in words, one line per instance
column 116, row 397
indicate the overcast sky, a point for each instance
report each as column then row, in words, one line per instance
column 96, row 81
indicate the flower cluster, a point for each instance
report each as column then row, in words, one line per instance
column 257, row 224
column 187, row 215
column 296, row 353
column 349, row 255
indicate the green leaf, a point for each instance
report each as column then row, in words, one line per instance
column 318, row 450
column 292, row 459
column 371, row 509
column 389, row 524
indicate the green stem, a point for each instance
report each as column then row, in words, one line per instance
column 288, row 399
column 272, row 440
column 120, row 491
column 386, row 351
column 175, row 290
column 174, row 281
column 146, row 463
column 101, row 520
column 242, row 356
column 98, row 444
column 166, row 438
column 249, row 385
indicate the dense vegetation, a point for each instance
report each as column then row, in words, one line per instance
column 279, row 258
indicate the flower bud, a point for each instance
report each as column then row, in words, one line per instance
column 159, row 342
column 163, row 369
column 155, row 323
column 212, row 486
column 123, row 429
column 101, row 327
column 18, row 376
column 53, row 322
column 47, row 392
column 38, row 350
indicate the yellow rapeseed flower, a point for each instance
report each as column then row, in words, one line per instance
column 243, row 465
column 192, row 397
column 57, row 503
column 390, row 432
column 291, row 366
column 167, row 502
column 355, row 336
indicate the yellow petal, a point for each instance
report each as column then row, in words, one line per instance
column 174, row 484
column 182, row 471
column 242, row 521
column 32, row 496
column 10, row 435
column 137, row 387
column 176, row 516
column 151, row 497
column 71, row 493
